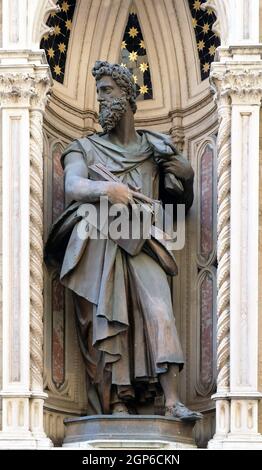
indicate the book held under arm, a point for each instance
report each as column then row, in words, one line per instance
column 153, row 240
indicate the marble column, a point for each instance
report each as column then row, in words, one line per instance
column 236, row 78
column 23, row 89
column 238, row 85
column 24, row 83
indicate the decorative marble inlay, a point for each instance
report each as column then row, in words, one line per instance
column 206, row 330
column 206, row 202
column 58, row 333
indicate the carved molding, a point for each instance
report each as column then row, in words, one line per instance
column 16, row 87
column 54, row 426
column 206, row 263
column 51, row 7
column 36, row 249
column 219, row 8
column 223, row 246
column 244, row 84
column 24, row 89
column 41, row 87
column 42, row 84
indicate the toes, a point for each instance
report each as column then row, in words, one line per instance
column 181, row 412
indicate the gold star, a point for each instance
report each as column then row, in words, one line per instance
column 194, row 22
column 143, row 89
column 133, row 56
column 46, row 36
column 62, row 47
column 51, row 52
column 133, row 32
column 57, row 30
column 212, row 50
column 123, row 65
column 57, row 70
column 135, row 78
column 206, row 67
column 53, row 15
column 142, row 44
column 205, row 28
column 65, row 7
column 200, row 45
column 133, row 11
column 209, row 11
column 68, row 24
column 197, row 5
column 123, row 44
column 143, row 67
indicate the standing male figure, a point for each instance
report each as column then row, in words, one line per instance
column 125, row 320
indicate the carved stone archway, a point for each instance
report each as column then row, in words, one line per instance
column 183, row 107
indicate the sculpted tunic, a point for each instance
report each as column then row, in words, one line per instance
column 125, row 318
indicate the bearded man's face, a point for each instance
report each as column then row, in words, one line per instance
column 112, row 103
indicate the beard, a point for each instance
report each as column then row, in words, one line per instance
column 111, row 113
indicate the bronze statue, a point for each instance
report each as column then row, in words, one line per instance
column 123, row 306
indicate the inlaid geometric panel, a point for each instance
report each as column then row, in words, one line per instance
column 206, row 202
column 206, row 40
column 58, row 291
column 206, row 330
column 133, row 55
column 206, row 266
column 58, row 333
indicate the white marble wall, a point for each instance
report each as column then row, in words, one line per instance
column 237, row 78
column 24, row 81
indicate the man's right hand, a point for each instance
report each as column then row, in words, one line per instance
column 119, row 193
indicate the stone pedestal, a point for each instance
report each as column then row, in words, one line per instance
column 128, row 432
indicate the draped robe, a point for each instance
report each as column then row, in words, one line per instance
column 123, row 305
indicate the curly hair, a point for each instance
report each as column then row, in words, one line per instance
column 121, row 76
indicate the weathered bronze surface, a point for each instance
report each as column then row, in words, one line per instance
column 123, row 305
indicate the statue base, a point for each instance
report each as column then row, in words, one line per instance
column 128, row 432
